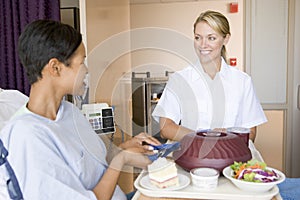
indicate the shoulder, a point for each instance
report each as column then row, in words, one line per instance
column 186, row 73
column 68, row 105
column 234, row 73
column 69, row 108
column 24, row 124
column 23, row 132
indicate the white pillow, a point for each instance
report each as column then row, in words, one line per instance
column 10, row 102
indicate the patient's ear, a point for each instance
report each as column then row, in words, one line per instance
column 54, row 67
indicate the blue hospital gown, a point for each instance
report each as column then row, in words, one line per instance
column 56, row 159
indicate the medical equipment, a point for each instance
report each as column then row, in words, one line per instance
column 100, row 116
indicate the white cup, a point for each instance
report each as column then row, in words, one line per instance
column 204, row 178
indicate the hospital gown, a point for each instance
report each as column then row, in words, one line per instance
column 56, row 159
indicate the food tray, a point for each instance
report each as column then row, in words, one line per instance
column 225, row 189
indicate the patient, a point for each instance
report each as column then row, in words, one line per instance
column 52, row 148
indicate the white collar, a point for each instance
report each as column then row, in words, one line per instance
column 199, row 72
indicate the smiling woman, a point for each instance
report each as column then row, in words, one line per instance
column 209, row 94
column 211, row 34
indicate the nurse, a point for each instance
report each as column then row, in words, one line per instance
column 52, row 148
column 209, row 94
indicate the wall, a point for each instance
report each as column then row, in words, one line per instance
column 178, row 18
column 275, row 71
column 294, row 136
column 107, row 60
column 267, row 64
column 108, row 57
column 105, row 19
column 269, row 140
column 265, row 55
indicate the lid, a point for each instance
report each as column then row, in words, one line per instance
column 238, row 130
column 205, row 172
column 212, row 134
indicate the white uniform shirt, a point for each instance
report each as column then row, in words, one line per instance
column 56, row 159
column 197, row 102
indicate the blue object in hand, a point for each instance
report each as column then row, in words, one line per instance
column 163, row 150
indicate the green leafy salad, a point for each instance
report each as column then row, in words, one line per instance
column 253, row 171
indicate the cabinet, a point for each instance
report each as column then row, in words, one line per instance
column 146, row 91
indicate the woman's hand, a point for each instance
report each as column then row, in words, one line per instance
column 132, row 157
column 137, row 142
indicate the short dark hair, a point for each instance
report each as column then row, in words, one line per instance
column 43, row 40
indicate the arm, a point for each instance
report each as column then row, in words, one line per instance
column 130, row 153
column 252, row 135
column 113, row 150
column 252, row 114
column 171, row 130
column 105, row 188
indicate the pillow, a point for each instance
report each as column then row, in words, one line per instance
column 10, row 102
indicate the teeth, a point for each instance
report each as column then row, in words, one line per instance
column 204, row 52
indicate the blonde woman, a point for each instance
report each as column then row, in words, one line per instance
column 209, row 94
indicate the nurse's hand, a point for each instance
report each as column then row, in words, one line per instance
column 138, row 141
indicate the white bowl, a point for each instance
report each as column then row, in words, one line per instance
column 204, row 178
column 252, row 186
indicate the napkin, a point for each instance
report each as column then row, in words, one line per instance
column 289, row 189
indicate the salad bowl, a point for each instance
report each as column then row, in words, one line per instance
column 253, row 186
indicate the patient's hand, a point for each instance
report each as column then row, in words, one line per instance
column 132, row 157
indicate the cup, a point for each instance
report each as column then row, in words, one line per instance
column 243, row 133
column 204, row 178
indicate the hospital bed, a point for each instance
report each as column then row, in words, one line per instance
column 10, row 102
